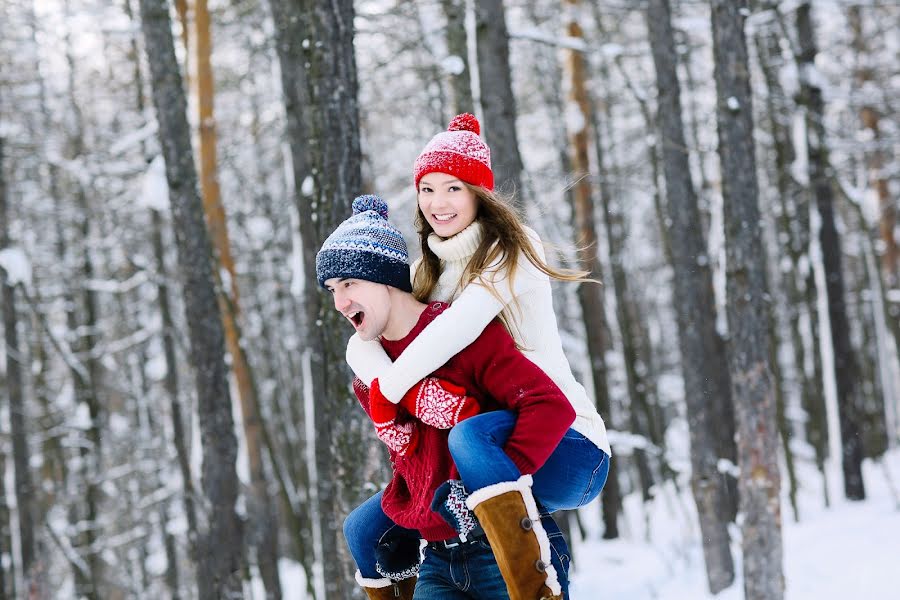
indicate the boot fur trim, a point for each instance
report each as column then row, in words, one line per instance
column 372, row 583
column 523, row 486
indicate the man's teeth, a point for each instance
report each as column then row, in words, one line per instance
column 444, row 217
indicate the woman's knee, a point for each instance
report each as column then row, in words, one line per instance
column 492, row 428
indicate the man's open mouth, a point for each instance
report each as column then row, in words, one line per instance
column 356, row 318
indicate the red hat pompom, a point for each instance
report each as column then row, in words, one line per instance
column 465, row 122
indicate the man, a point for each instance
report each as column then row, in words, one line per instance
column 365, row 265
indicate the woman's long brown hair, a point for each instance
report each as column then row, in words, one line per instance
column 504, row 238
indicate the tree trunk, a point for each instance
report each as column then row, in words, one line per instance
column 261, row 531
column 457, row 45
column 752, row 392
column 496, row 95
column 792, row 225
column 704, row 366
column 320, row 89
column 590, row 295
column 16, row 417
column 846, row 371
column 220, row 550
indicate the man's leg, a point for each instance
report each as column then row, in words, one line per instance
column 436, row 580
column 363, row 529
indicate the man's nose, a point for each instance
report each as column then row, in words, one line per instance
column 340, row 301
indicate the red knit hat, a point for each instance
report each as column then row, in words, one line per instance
column 458, row 152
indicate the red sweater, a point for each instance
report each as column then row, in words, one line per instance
column 494, row 372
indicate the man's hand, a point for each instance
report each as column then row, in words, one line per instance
column 438, row 403
column 401, row 438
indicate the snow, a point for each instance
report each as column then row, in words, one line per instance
column 733, row 103
column 17, row 266
column 846, row 551
column 155, row 188
column 453, row 65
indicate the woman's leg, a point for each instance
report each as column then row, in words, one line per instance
column 572, row 476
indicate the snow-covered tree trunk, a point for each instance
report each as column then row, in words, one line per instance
column 846, row 370
column 704, row 365
column 792, row 226
column 496, row 95
column 748, row 313
column 219, row 556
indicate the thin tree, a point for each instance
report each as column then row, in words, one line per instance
column 496, row 97
column 846, row 371
column 793, row 225
column 751, row 385
column 590, row 295
column 24, row 489
column 220, row 549
column 261, row 532
column 704, row 364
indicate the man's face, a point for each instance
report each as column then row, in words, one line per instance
column 365, row 304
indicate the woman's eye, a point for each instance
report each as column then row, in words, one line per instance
column 454, row 188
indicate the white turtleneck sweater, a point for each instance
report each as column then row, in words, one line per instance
column 527, row 300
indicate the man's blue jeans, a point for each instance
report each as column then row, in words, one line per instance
column 470, row 570
column 572, row 476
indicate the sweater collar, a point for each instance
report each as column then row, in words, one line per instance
column 460, row 247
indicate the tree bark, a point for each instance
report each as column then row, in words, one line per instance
column 457, row 45
column 846, row 371
column 704, row 364
column 752, row 392
column 496, row 95
column 220, row 550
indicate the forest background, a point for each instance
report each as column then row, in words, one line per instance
column 177, row 419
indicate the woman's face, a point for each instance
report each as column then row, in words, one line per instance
column 447, row 204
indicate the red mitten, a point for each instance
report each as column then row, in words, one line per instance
column 401, row 438
column 439, row 403
column 382, row 410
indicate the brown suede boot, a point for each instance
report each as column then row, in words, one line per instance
column 510, row 519
column 387, row 589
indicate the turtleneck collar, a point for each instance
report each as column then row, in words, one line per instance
column 460, row 247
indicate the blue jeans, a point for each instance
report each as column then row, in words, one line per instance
column 470, row 570
column 572, row 476
column 364, row 528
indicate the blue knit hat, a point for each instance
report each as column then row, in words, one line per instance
column 366, row 246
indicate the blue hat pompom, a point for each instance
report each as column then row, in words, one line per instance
column 370, row 202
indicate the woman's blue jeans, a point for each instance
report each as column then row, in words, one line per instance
column 573, row 476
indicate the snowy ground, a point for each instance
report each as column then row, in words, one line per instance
column 850, row 550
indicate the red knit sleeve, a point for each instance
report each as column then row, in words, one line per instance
column 362, row 394
column 544, row 413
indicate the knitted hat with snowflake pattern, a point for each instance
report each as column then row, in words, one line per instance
column 366, row 246
column 458, row 152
